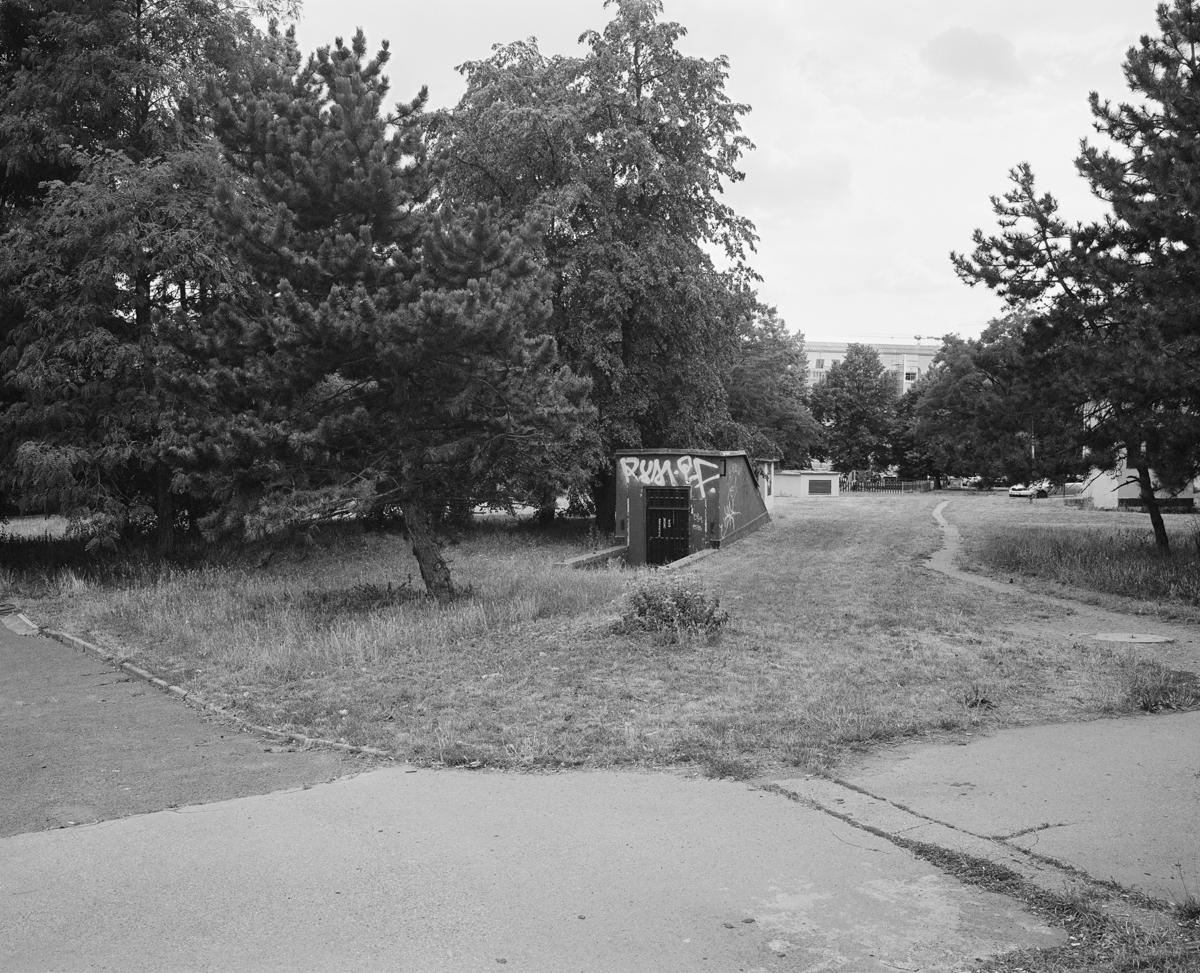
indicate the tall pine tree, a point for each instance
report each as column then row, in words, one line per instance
column 1114, row 303
column 110, row 266
column 403, row 359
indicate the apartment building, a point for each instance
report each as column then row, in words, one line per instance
column 905, row 363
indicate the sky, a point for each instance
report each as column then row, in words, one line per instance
column 882, row 128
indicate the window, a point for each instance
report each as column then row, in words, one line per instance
column 910, row 376
column 820, row 363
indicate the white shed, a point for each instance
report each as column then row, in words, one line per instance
column 807, row 483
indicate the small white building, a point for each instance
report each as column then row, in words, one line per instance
column 1117, row 489
column 807, row 483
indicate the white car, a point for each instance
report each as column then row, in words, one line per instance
column 1039, row 489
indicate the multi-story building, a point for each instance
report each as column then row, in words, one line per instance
column 905, row 363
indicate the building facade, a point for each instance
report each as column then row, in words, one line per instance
column 672, row 503
column 904, row 363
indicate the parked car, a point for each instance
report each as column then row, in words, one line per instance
column 1039, row 489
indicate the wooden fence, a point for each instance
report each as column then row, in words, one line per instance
column 892, row 486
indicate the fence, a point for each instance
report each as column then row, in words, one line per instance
column 892, row 486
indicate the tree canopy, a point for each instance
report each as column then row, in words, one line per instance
column 621, row 156
column 1112, row 304
column 240, row 289
column 855, row 405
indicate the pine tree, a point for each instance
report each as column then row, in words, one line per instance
column 403, row 359
column 111, row 270
column 1114, row 302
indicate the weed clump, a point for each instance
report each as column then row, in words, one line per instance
column 1152, row 687
column 672, row 611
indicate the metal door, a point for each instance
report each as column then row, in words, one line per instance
column 666, row 525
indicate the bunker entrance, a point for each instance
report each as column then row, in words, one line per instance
column 666, row 525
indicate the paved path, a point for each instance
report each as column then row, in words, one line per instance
column 454, row 871
column 1119, row 798
column 82, row 742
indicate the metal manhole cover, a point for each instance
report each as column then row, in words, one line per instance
column 1130, row 637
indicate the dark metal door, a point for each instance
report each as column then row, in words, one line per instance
column 666, row 525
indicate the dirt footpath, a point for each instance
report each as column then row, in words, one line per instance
column 82, row 742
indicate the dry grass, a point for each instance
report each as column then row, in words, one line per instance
column 838, row 639
column 1107, row 557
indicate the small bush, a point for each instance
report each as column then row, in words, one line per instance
column 672, row 610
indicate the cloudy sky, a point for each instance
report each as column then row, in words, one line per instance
column 882, row 127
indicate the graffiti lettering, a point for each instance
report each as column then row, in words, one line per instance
column 685, row 471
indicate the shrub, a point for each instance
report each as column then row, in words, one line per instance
column 672, row 610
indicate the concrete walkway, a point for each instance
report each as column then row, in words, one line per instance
column 82, row 742
column 444, row 870
column 1118, row 799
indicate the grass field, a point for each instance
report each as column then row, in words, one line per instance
column 839, row 639
column 1103, row 556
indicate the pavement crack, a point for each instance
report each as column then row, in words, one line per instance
column 905, row 808
column 1024, row 831
column 878, row 851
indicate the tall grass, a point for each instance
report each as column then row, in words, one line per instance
column 1118, row 562
column 352, row 602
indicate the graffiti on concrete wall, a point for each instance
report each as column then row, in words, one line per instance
column 729, row 515
column 685, row 471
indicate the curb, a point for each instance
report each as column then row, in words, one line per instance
column 199, row 702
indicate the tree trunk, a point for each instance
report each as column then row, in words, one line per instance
column 1150, row 501
column 435, row 572
column 164, row 509
column 547, row 509
column 604, row 496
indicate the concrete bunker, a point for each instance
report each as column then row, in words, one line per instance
column 672, row 503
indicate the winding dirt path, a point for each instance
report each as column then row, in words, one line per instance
column 1070, row 618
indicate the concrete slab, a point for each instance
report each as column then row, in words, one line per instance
column 437, row 870
column 81, row 742
column 1117, row 798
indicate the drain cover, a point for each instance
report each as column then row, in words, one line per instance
column 1129, row 637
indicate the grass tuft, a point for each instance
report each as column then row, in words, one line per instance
column 1154, row 688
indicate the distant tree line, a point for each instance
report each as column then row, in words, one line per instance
column 240, row 289
column 1096, row 365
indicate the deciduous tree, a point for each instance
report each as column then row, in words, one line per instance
column 620, row 155
column 768, row 395
column 856, row 405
